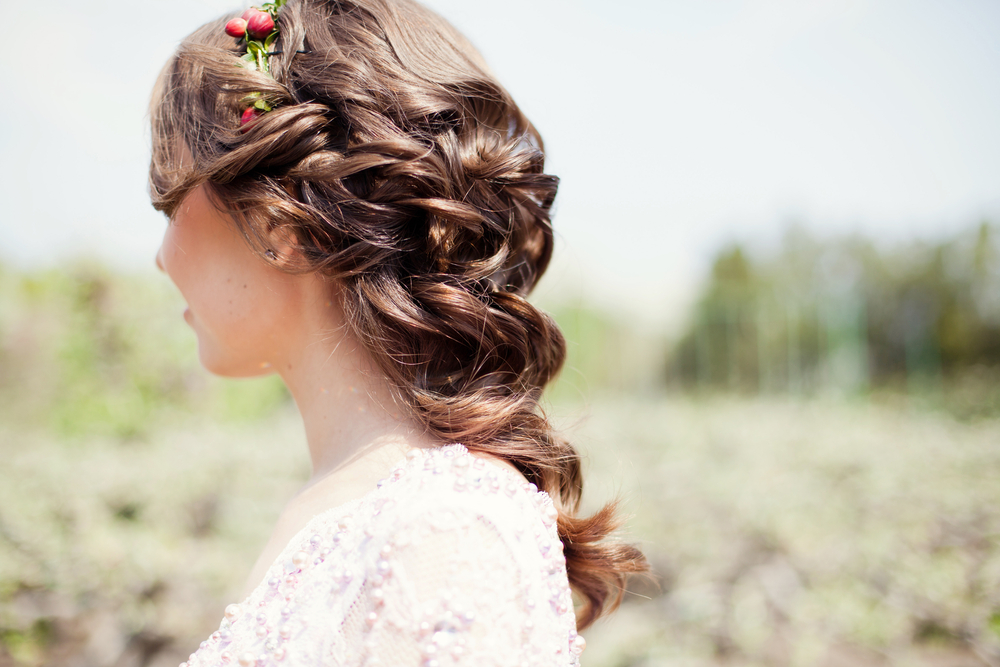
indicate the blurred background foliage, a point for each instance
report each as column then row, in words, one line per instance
column 846, row 316
column 812, row 462
column 85, row 352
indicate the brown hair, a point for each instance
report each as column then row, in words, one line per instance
column 408, row 174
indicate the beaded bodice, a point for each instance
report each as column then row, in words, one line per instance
column 450, row 561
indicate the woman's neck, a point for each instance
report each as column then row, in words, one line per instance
column 351, row 417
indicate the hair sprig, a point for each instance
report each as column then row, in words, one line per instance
column 258, row 28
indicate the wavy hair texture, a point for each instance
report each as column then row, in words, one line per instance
column 405, row 172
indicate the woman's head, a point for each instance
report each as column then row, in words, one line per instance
column 398, row 165
column 399, row 168
column 390, row 146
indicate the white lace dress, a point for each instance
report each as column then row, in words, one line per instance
column 450, row 561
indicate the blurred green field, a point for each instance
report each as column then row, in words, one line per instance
column 837, row 528
column 790, row 532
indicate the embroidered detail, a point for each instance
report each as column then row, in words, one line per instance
column 450, row 560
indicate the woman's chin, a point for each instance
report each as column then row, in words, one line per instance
column 226, row 366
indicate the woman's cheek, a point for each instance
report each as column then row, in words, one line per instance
column 246, row 321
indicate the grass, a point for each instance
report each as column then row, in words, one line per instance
column 789, row 532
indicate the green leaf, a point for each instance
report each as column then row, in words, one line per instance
column 270, row 40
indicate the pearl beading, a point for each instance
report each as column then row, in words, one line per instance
column 270, row 626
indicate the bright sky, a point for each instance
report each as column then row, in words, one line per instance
column 675, row 125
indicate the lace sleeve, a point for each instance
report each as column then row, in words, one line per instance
column 454, row 587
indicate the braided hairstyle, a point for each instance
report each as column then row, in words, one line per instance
column 406, row 173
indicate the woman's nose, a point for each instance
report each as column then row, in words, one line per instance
column 159, row 259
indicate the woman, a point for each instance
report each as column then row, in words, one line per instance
column 356, row 205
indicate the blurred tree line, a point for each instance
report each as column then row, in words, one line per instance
column 845, row 314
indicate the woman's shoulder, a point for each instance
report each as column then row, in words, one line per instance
column 449, row 484
column 468, row 563
column 440, row 490
column 445, row 515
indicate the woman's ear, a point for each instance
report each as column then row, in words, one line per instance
column 283, row 244
column 283, row 248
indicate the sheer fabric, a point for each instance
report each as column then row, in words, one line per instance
column 450, row 561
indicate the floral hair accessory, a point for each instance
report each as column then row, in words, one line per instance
column 258, row 27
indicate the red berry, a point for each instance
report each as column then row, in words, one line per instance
column 250, row 114
column 260, row 24
column 248, row 13
column 236, row 28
